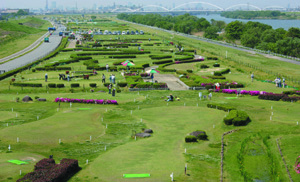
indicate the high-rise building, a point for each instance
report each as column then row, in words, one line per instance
column 46, row 8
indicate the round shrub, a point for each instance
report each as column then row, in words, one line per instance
column 118, row 90
column 237, row 118
column 93, row 85
column 60, row 85
column 52, row 85
column 189, row 71
column 217, row 73
column 190, row 138
column 33, row 70
column 74, row 85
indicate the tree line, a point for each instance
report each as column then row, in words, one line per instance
column 251, row 34
column 251, row 14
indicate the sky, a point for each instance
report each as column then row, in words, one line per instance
column 35, row 4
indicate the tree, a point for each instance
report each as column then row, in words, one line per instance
column 211, row 32
column 270, row 35
column 251, row 37
column 220, row 24
column 234, row 30
column 293, row 32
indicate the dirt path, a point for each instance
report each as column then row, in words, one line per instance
column 172, row 81
column 72, row 44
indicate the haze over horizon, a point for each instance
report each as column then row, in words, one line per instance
column 35, row 4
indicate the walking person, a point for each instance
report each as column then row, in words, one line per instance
column 283, row 82
column 103, row 78
column 107, row 67
column 46, row 77
column 113, row 78
column 276, row 82
column 279, row 82
column 109, row 88
column 152, row 76
column 252, row 77
column 68, row 77
column 110, row 78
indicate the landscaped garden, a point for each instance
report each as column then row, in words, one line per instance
column 100, row 132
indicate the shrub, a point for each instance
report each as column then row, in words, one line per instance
column 13, row 79
column 160, row 56
column 190, row 138
column 217, row 77
column 203, row 66
column 67, row 72
column 33, row 70
column 60, row 85
column 225, row 108
column 189, row 71
column 237, row 118
column 146, row 65
column 212, row 58
column 74, row 85
column 28, row 84
column 216, row 65
column 122, row 84
column 52, row 85
column 93, row 85
column 184, row 58
column 271, row 96
column 122, row 56
column 217, row 73
column 36, row 97
column 201, row 135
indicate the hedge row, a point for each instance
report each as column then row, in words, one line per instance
column 221, row 107
column 122, row 56
column 54, row 85
column 291, row 92
column 54, row 53
column 28, row 84
column 219, row 73
column 166, row 50
column 160, row 56
column 271, row 96
column 47, row 170
column 163, row 69
column 162, row 61
column 212, row 58
column 52, row 68
column 101, row 68
column 237, row 118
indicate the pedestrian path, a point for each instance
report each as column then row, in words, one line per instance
column 171, row 80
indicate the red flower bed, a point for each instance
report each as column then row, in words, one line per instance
column 47, row 171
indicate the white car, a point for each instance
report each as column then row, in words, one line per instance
column 123, row 33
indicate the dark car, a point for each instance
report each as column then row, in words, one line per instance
column 132, row 33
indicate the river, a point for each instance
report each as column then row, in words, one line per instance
column 286, row 24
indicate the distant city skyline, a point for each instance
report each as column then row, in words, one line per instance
column 90, row 4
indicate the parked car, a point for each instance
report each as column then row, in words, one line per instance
column 142, row 32
column 132, row 32
column 127, row 32
column 136, row 32
column 123, row 33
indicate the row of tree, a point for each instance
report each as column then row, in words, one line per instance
column 250, row 34
column 251, row 14
column 182, row 23
column 264, row 37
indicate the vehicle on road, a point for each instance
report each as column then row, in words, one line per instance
column 46, row 39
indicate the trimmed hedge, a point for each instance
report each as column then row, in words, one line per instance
column 166, row 50
column 237, row 118
column 199, row 134
column 190, row 138
column 121, row 56
column 219, row 73
column 52, row 68
column 47, row 170
column 212, row 58
column 203, row 66
column 217, row 77
column 162, row 61
column 216, row 65
column 52, row 85
column 271, row 96
column 28, row 84
column 122, row 84
column 184, row 58
column 225, row 86
column 74, row 85
column 221, row 107
column 93, row 85
column 145, row 65
column 60, row 85
column 160, row 56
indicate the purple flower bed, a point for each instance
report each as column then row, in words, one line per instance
column 130, row 74
column 86, row 101
column 244, row 92
column 47, row 170
column 145, row 74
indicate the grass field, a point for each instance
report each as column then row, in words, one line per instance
column 104, row 134
column 15, row 37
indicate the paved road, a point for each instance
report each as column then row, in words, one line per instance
column 43, row 50
column 224, row 44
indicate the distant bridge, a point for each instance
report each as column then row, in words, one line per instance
column 185, row 7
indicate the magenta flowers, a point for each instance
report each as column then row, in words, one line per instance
column 86, row 101
column 244, row 92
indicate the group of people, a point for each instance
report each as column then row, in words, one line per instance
column 112, row 78
column 171, row 98
column 280, row 83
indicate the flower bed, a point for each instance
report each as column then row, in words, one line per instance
column 47, row 170
column 86, row 101
column 244, row 92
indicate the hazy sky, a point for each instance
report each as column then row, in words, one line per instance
column 169, row 3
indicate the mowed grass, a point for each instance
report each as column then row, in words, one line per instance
column 161, row 154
